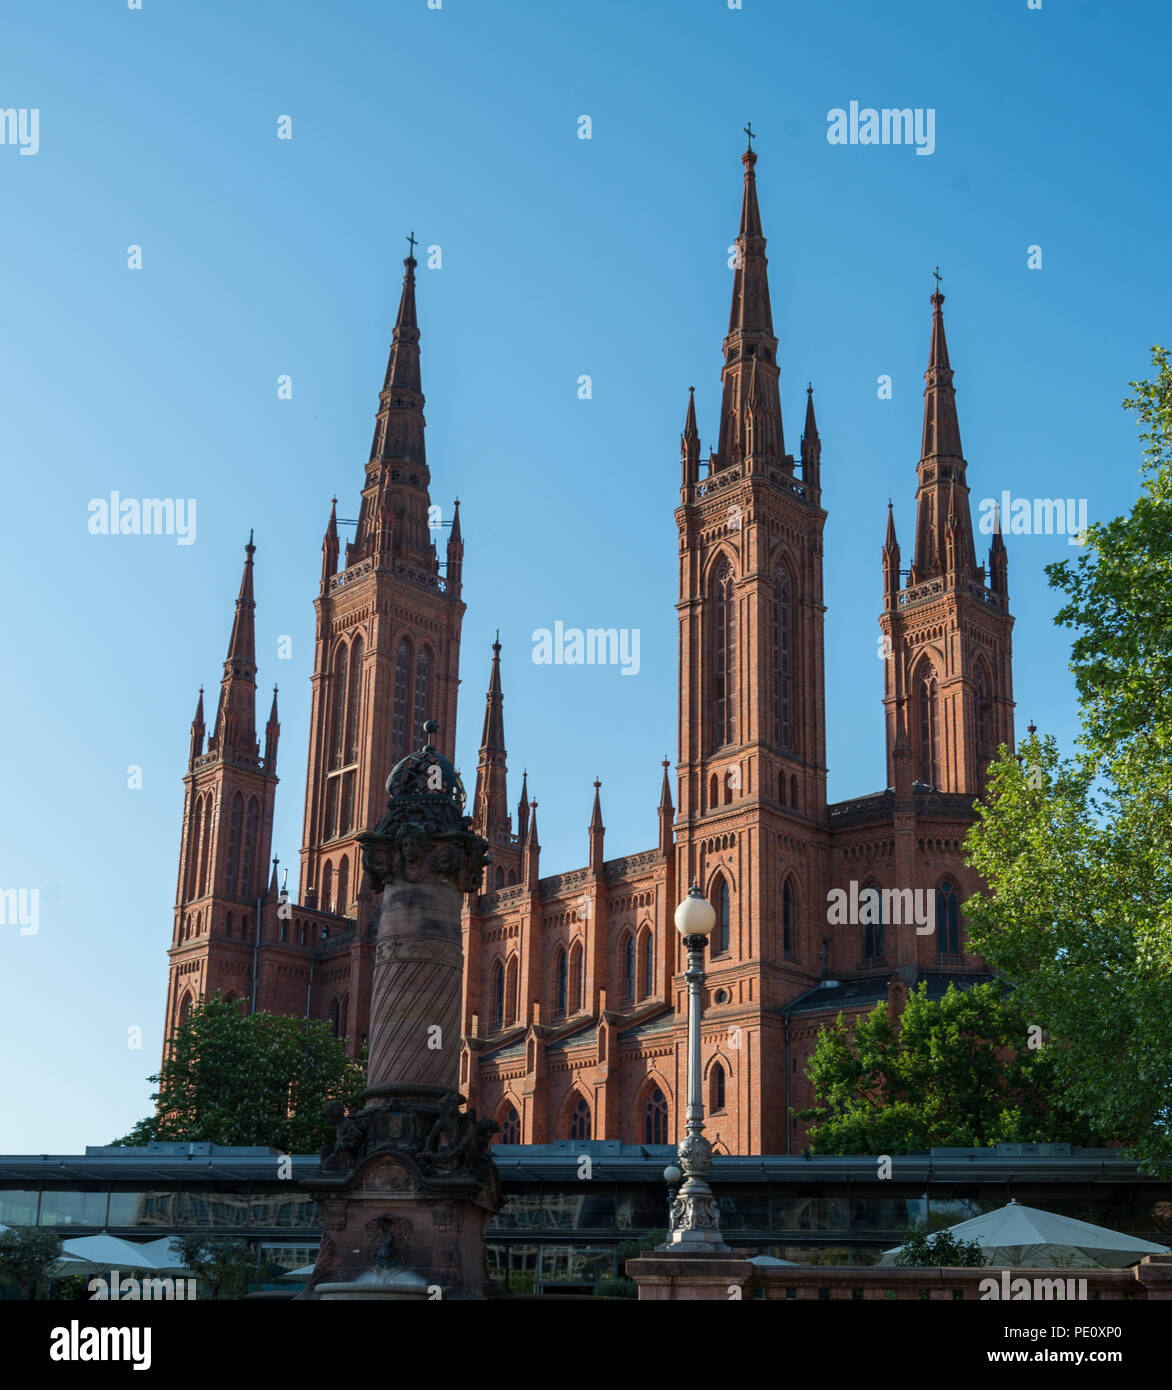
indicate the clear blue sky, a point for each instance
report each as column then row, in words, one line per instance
column 560, row 257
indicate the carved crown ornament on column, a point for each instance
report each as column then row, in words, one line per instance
column 424, row 831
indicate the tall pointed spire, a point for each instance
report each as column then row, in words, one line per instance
column 329, row 545
column 198, row 729
column 523, row 809
column 597, row 831
column 941, row 467
column 531, row 856
column 750, row 349
column 891, row 571
column 272, row 734
column 242, row 643
column 998, row 558
column 234, row 733
column 666, row 811
column 454, row 574
column 491, row 801
column 690, row 444
column 811, row 446
column 397, row 470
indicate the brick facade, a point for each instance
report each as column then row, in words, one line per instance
column 574, row 1005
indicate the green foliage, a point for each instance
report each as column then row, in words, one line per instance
column 921, row 1250
column 957, row 1071
column 1076, row 853
column 222, row 1265
column 250, row 1079
column 27, row 1256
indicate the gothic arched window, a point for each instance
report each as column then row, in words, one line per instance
column 352, row 695
column 422, row 689
column 982, row 696
column 193, row 844
column 716, row 1088
column 185, row 1008
column 561, row 983
column 399, row 747
column 724, row 655
column 339, row 716
column 948, row 919
column 235, row 830
column 347, row 821
column 343, row 886
column 335, row 1018
column 511, row 990
column 498, row 996
column 722, row 903
column 928, row 752
column 331, row 826
column 647, row 959
column 788, row 917
column 510, row 1127
column 871, row 912
column 655, row 1118
column 251, row 839
column 327, row 889
column 783, row 659
column 205, row 845
column 580, row 1120
column 628, row 958
column 576, row 977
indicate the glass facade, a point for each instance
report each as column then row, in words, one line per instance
column 557, row 1233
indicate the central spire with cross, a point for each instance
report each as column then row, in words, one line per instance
column 413, row 244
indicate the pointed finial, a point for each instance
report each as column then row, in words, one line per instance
column 250, row 545
column 1031, row 728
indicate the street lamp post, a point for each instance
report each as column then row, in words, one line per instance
column 694, row 1221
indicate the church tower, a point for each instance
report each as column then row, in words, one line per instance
column 752, row 775
column 387, row 636
column 227, row 829
column 948, row 681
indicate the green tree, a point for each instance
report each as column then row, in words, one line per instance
column 957, row 1071
column 254, row 1079
column 1076, row 853
column 27, row 1256
column 222, row 1265
column 920, row 1250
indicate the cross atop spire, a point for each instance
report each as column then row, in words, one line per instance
column 748, row 129
column 413, row 244
column 936, row 273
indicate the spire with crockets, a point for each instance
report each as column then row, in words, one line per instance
column 234, row 731
column 394, row 516
column 491, row 801
column 750, row 411
column 944, row 529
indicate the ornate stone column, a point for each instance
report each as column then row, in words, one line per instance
column 408, row 1188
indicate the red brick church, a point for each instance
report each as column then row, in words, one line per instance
column 574, row 1003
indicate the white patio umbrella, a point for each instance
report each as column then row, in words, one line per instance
column 1024, row 1237
column 166, row 1254
column 104, row 1251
